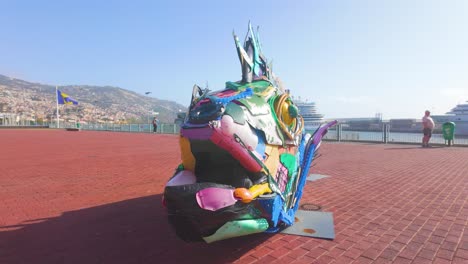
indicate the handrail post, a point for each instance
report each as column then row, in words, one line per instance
column 338, row 132
column 386, row 132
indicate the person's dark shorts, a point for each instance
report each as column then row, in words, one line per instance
column 427, row 132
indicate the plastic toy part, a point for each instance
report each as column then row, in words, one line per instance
column 238, row 151
column 181, row 178
column 237, row 229
column 188, row 160
column 243, row 194
column 214, row 199
column 286, row 115
column 259, row 189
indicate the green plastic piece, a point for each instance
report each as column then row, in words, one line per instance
column 236, row 112
column 180, row 167
column 288, row 161
column 257, row 86
column 271, row 102
column 253, row 213
column 238, row 228
column 267, row 124
column 293, row 111
column 256, row 105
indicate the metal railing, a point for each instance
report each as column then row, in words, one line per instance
column 339, row 133
column 386, row 135
column 163, row 128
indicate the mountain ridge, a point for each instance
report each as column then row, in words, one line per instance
column 32, row 100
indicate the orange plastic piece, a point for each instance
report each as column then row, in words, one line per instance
column 246, row 196
column 243, row 194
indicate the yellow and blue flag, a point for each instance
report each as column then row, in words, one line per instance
column 63, row 98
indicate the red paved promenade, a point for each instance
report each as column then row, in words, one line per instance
column 95, row 197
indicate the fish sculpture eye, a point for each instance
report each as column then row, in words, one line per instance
column 245, row 155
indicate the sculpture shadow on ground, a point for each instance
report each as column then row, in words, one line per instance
column 130, row 231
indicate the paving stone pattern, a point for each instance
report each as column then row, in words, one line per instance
column 95, row 197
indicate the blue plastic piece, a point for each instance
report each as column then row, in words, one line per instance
column 287, row 217
column 275, row 206
column 272, row 230
column 261, row 143
column 309, row 156
column 218, row 100
column 301, row 148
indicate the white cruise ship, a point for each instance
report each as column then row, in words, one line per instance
column 312, row 119
column 458, row 115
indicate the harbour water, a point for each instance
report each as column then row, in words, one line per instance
column 332, row 135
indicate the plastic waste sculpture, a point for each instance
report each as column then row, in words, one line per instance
column 245, row 156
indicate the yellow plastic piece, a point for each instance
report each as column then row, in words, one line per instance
column 259, row 189
column 272, row 160
column 188, row 160
column 285, row 116
column 268, row 92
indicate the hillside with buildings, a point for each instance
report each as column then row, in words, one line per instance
column 97, row 104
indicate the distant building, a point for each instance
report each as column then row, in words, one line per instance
column 405, row 125
column 8, row 119
column 3, row 108
column 361, row 123
column 308, row 110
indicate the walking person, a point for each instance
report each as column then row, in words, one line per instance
column 155, row 125
column 428, row 127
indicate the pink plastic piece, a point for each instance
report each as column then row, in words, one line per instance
column 226, row 93
column 203, row 101
column 214, row 198
column 282, row 177
column 203, row 133
column 236, row 150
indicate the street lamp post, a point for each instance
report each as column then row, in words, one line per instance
column 149, row 125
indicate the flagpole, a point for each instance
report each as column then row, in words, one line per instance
column 56, row 100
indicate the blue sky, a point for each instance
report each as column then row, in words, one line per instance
column 353, row 58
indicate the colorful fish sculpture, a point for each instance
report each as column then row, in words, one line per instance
column 245, row 156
